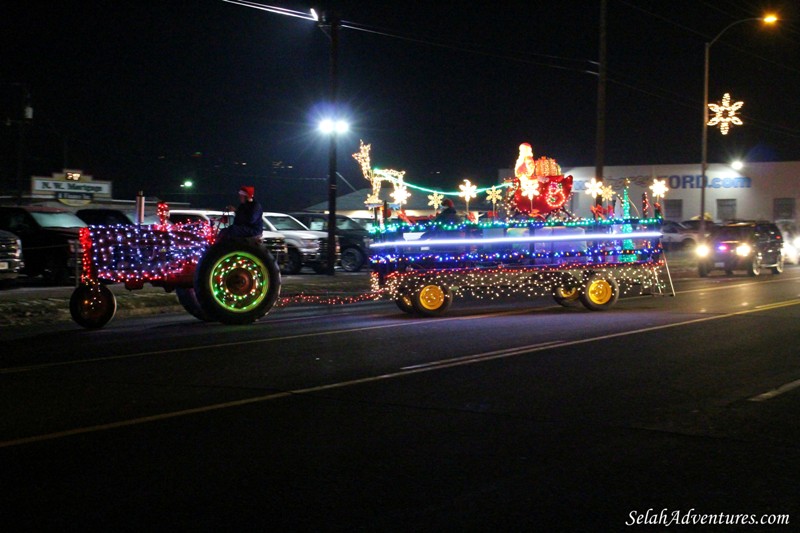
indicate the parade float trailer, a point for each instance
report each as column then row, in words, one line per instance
column 537, row 248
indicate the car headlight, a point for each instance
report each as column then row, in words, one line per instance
column 702, row 250
column 310, row 243
column 743, row 250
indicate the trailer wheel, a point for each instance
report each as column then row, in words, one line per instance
column 601, row 292
column 92, row 306
column 187, row 297
column 405, row 303
column 566, row 296
column 236, row 282
column 432, row 299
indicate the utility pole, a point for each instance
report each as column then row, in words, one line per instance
column 601, row 101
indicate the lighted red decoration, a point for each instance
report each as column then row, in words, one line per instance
column 554, row 191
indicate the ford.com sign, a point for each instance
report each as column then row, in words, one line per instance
column 695, row 182
column 675, row 181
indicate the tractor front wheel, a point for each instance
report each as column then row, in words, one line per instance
column 92, row 306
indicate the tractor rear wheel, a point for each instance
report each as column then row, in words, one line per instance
column 236, row 282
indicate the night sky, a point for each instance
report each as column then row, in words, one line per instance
column 148, row 93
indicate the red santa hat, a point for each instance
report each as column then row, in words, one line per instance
column 248, row 191
column 447, row 202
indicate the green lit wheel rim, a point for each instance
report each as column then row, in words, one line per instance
column 601, row 292
column 239, row 281
column 236, row 282
column 432, row 299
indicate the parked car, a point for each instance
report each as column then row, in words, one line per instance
column 273, row 241
column 101, row 216
column 676, row 235
column 353, row 237
column 11, row 259
column 49, row 238
column 750, row 246
column 305, row 247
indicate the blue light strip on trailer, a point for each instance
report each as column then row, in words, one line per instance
column 533, row 238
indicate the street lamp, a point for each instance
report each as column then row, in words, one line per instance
column 768, row 19
column 330, row 23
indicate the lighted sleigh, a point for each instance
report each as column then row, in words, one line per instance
column 234, row 281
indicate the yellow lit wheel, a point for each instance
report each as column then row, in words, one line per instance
column 432, row 299
column 601, row 293
column 566, row 296
column 92, row 306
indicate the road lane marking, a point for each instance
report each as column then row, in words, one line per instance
column 485, row 356
column 29, row 368
column 776, row 392
column 477, row 358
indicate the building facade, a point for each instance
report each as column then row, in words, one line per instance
column 767, row 191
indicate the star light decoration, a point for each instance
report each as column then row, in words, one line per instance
column 725, row 114
column 468, row 190
column 435, row 200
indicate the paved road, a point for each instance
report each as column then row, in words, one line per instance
column 513, row 415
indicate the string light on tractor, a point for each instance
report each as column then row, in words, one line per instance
column 725, row 114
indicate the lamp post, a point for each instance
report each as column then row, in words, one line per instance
column 769, row 19
column 329, row 23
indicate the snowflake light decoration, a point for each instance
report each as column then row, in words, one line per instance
column 435, row 200
column 400, row 195
column 607, row 193
column 725, row 114
column 494, row 195
column 594, row 188
column 468, row 190
column 530, row 189
column 659, row 188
